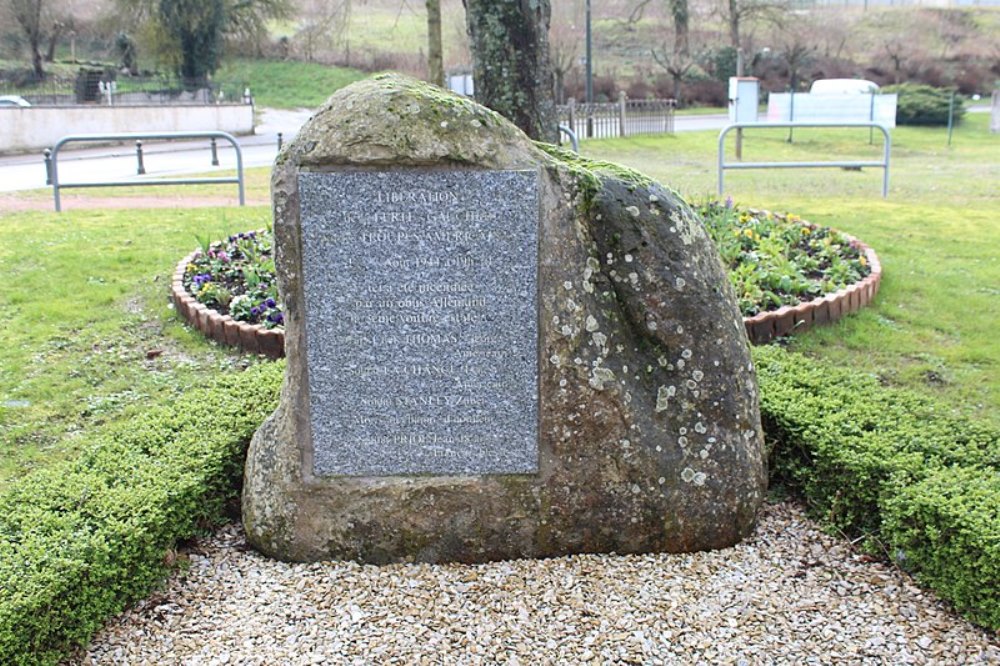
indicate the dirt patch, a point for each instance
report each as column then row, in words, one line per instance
column 12, row 203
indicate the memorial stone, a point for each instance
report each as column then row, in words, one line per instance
column 420, row 316
column 495, row 349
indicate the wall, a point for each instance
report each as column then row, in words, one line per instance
column 849, row 107
column 38, row 127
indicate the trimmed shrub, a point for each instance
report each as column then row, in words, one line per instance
column 946, row 529
column 888, row 465
column 920, row 104
column 81, row 540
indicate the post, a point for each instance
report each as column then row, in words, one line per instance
column 951, row 116
column 736, row 102
column 871, row 119
column 279, row 141
column 140, row 168
column 791, row 113
column 886, row 151
column 722, row 157
column 621, row 113
column 590, row 68
column 215, row 153
column 739, row 138
column 572, row 113
column 48, row 166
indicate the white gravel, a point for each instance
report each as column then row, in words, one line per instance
column 789, row 594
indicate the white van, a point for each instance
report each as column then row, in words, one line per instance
column 843, row 87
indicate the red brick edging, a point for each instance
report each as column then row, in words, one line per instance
column 766, row 326
column 223, row 328
column 761, row 328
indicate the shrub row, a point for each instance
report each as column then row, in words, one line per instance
column 82, row 539
column 919, row 104
column 894, row 467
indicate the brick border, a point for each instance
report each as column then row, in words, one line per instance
column 786, row 320
column 223, row 328
column 761, row 328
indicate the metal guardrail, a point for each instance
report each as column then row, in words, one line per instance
column 573, row 140
column 884, row 164
column 52, row 161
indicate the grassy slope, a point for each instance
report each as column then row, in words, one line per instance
column 932, row 327
column 87, row 291
column 285, row 84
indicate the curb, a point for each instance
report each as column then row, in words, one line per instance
column 786, row 320
column 251, row 338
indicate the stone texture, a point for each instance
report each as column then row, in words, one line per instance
column 649, row 433
column 421, row 321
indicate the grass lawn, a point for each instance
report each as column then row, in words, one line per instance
column 85, row 293
column 933, row 324
column 87, row 289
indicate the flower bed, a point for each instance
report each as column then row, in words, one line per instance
column 789, row 276
column 228, row 291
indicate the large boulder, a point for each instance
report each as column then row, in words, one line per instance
column 648, row 433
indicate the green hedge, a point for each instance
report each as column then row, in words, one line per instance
column 893, row 466
column 919, row 104
column 81, row 540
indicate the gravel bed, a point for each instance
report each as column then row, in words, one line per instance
column 789, row 594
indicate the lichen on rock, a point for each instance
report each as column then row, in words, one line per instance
column 640, row 341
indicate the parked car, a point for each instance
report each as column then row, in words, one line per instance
column 13, row 100
column 843, row 87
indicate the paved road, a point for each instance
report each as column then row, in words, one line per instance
column 170, row 159
column 161, row 158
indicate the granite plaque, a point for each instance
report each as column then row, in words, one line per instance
column 421, row 321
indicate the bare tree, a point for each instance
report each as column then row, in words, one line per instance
column 564, row 48
column 322, row 23
column 738, row 12
column 953, row 27
column 898, row 50
column 637, row 11
column 36, row 20
column 677, row 64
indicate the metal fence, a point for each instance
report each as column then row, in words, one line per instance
column 846, row 164
column 52, row 161
column 626, row 117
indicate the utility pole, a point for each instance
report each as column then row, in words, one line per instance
column 739, row 130
column 590, row 61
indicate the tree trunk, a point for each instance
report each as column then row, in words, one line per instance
column 36, row 63
column 680, row 13
column 511, row 68
column 734, row 24
column 435, row 52
column 57, row 31
column 28, row 14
